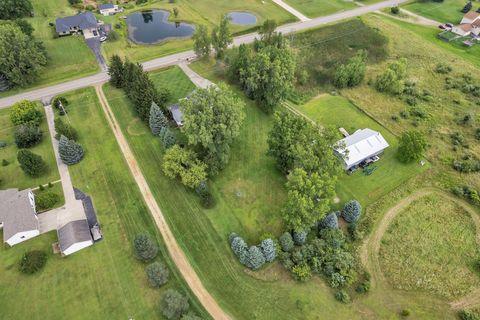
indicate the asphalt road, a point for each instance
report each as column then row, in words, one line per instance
column 48, row 92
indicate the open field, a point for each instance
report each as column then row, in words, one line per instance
column 317, row 8
column 12, row 176
column 337, row 111
column 443, row 12
column 431, row 246
column 207, row 12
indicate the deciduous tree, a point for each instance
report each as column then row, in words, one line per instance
column 184, row 164
column 14, row 9
column 352, row 73
column 221, row 36
column 174, row 305
column 27, row 135
column 201, row 42
column 25, row 112
column 157, row 274
column 31, row 163
column 412, row 146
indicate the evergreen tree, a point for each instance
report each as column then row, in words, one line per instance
column 31, row 163
column 116, row 71
column 467, row 7
column 240, row 248
column 157, row 120
column 268, row 249
column 157, row 274
column 145, row 247
column 174, row 305
column 286, row 242
column 168, row 138
column 255, row 258
column 300, row 237
column 70, row 152
column 64, row 129
column 330, row 221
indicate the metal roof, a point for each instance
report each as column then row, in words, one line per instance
column 176, row 114
column 106, row 6
column 72, row 233
column 84, row 20
column 16, row 212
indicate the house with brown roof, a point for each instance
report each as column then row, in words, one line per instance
column 470, row 25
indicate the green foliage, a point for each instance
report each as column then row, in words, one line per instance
column 352, row 73
column 3, row 144
column 467, row 163
column 286, row 242
column 255, row 259
column 65, row 129
column 206, row 198
column 25, row 26
column 405, row 313
column 268, row 249
column 157, row 120
column 330, row 221
column 33, row 261
column 27, row 135
column 201, row 41
column 469, row 315
column 167, row 137
column 443, row 68
column 25, row 112
column 351, row 211
column 467, row 193
column 342, row 296
column 240, row 248
column 174, row 305
column 468, row 6
column 212, row 120
column 412, row 146
column 392, row 79
column 184, row 164
column 116, row 71
column 238, row 61
column 302, row 272
column 299, row 237
column 46, row 200
column 395, row 10
column 113, row 36
column 14, row 9
column 157, row 274
column 145, row 247
column 60, row 104
column 267, row 31
column 221, row 36
column 70, row 152
column 21, row 56
column 31, row 163
column 5, row 162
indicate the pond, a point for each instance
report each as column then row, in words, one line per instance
column 151, row 27
column 242, row 18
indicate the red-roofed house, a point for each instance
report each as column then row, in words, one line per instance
column 470, row 24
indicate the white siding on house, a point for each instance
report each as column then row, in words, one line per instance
column 22, row 236
column 77, row 247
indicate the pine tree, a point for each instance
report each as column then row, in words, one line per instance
column 268, row 249
column 255, row 258
column 116, row 71
column 157, row 120
column 167, row 137
column 145, row 247
column 70, row 151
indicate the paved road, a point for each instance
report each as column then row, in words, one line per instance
column 177, row 58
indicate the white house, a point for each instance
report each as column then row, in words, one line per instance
column 109, row 9
column 74, row 236
column 360, row 146
column 470, row 24
column 18, row 217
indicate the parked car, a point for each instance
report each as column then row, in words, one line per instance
column 442, row 27
column 448, row 26
column 103, row 39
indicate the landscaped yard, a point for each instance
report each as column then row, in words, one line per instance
column 443, row 12
column 431, row 246
column 12, row 175
column 389, row 173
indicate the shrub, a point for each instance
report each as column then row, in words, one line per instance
column 41, row 187
column 352, row 73
column 174, row 305
column 168, row 138
column 363, row 287
column 157, row 274
column 342, row 296
column 352, row 211
column 65, row 129
column 3, row 144
column 268, row 249
column 469, row 315
column 394, row 10
column 206, row 198
column 31, row 163
column 27, row 135
column 286, row 242
column 25, row 112
column 145, row 247
column 5, row 162
column 405, row 313
column 391, row 80
column 302, row 272
column 255, row 258
column 467, row 7
column 467, row 164
column 443, row 68
column 113, row 36
column 46, row 200
column 70, row 152
column 299, row 238
column 285, row 259
column 33, row 261
column 330, row 221
column 337, row 280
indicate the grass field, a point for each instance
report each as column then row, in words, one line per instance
column 337, row 111
column 12, row 176
column 103, row 281
column 431, row 246
column 443, row 12
column 57, row 189
column 317, row 8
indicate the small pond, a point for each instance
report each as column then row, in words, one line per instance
column 242, row 18
column 150, row 27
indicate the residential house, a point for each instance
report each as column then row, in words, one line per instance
column 470, row 25
column 361, row 146
column 74, row 236
column 18, row 217
column 177, row 114
column 84, row 22
column 109, row 9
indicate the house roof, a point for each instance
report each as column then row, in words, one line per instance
column 476, row 23
column 472, row 15
column 362, row 144
column 16, row 212
column 72, row 233
column 106, row 6
column 84, row 20
column 465, row 27
column 176, row 113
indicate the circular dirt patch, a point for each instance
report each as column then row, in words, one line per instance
column 136, row 128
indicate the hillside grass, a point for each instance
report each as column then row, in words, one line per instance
column 12, row 175
column 443, row 12
column 431, row 246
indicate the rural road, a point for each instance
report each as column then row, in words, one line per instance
column 177, row 58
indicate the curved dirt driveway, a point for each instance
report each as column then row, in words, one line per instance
column 371, row 247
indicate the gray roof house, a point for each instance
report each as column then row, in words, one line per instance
column 109, row 9
column 176, row 114
column 18, row 217
column 74, row 236
column 85, row 22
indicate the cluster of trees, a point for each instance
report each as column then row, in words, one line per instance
column 220, row 38
column 352, row 73
column 467, row 164
column 392, row 80
column 158, row 123
column 412, row 146
column 137, row 85
column 15, row 9
column 253, row 257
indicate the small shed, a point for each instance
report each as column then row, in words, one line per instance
column 177, row 114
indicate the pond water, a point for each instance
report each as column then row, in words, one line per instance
column 150, row 27
column 242, row 18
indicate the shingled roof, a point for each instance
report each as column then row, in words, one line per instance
column 16, row 212
column 105, row 6
column 84, row 20
column 73, row 232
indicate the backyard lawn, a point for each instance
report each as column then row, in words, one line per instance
column 337, row 111
column 12, row 175
column 437, row 252
column 443, row 12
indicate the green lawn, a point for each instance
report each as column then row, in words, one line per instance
column 12, row 176
column 431, row 247
column 55, row 188
column 337, row 111
column 443, row 12
column 317, row 8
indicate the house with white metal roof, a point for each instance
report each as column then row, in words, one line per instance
column 362, row 145
column 109, row 9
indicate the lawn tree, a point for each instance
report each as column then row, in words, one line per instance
column 64, row 129
column 308, row 198
column 351, row 211
column 157, row 120
column 240, row 248
column 184, row 164
column 32, row 164
column 330, row 221
column 21, row 56
column 167, row 137
column 174, row 305
column 267, row 30
column 212, row 120
column 25, row 112
column 268, row 250
column 238, row 62
column 116, row 71
column 221, row 36
column 32, row 261
column 201, row 42
column 14, row 9
column 157, row 274
column 255, row 258
column 412, row 146
column 392, row 79
column 286, row 242
column 352, row 73
column 70, row 152
column 145, row 247
column 299, row 237
column 27, row 135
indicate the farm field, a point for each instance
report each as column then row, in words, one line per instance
column 443, row 12
column 12, row 175
column 437, row 252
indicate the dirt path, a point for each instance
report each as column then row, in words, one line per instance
column 371, row 247
column 177, row 254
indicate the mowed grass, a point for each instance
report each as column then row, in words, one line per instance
column 431, row 246
column 317, row 8
column 206, row 12
column 443, row 12
column 338, row 112
column 104, row 281
column 12, row 175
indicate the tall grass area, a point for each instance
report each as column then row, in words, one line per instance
column 431, row 246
